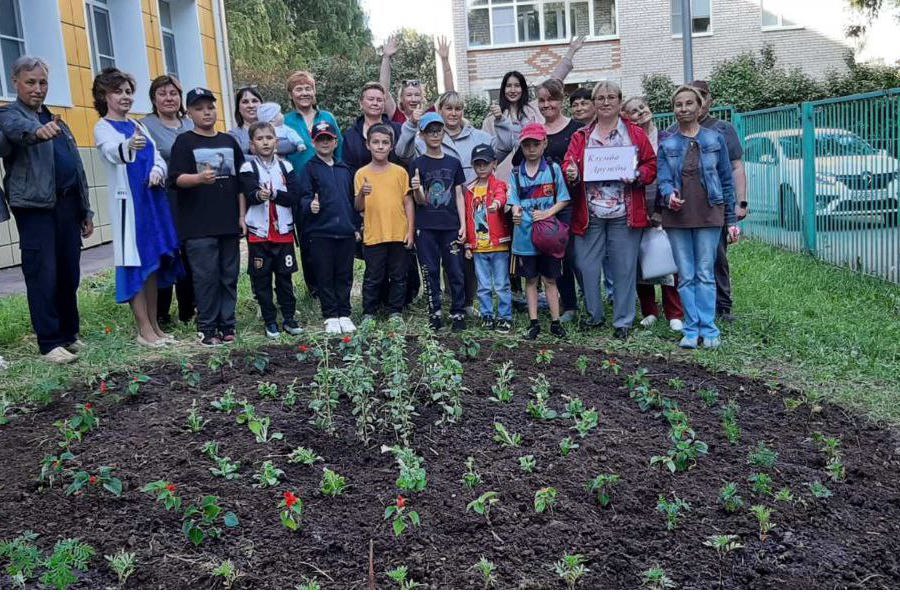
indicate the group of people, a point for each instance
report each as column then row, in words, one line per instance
column 411, row 187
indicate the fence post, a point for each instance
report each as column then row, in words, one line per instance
column 808, row 214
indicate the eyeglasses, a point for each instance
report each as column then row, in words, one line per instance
column 610, row 98
column 411, row 83
column 434, row 132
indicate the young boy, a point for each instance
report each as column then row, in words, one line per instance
column 487, row 239
column 384, row 197
column 271, row 189
column 537, row 191
column 437, row 181
column 329, row 219
column 209, row 215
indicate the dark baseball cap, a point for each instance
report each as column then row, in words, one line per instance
column 483, row 152
column 323, row 128
column 702, row 85
column 199, row 93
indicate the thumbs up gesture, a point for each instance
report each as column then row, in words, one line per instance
column 137, row 141
column 496, row 110
column 416, row 182
column 314, row 205
column 264, row 193
column 417, row 116
column 366, row 188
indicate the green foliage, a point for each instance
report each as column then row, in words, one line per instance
column 400, row 576
column 332, row 484
column 304, row 456
column 471, row 478
column 655, row 578
column 412, row 472
column 672, row 510
column 68, row 555
column 487, row 570
column 545, row 499
column 762, row 457
column 228, row 572
column 571, row 568
column 122, row 563
column 658, row 89
column 504, row 438
column 527, row 463
column 601, row 485
column 483, row 503
column 730, row 498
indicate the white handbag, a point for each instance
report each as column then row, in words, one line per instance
column 655, row 256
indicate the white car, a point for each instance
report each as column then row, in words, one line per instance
column 852, row 177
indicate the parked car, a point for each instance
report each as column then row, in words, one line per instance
column 852, row 177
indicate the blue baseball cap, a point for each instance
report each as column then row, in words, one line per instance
column 429, row 118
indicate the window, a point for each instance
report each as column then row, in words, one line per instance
column 12, row 43
column 168, row 37
column 772, row 18
column 503, row 22
column 103, row 54
column 701, row 16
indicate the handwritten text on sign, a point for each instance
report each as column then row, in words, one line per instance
column 609, row 163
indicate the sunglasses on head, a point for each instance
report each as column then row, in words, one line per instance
column 411, row 83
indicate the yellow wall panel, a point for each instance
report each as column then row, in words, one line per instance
column 147, row 6
column 209, row 50
column 78, row 16
column 75, row 85
column 212, row 78
column 87, row 83
column 70, row 43
column 65, row 11
column 207, row 24
column 83, row 55
column 82, row 128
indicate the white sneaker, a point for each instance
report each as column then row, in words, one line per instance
column 676, row 325
column 347, row 325
column 332, row 326
column 60, row 356
column 648, row 321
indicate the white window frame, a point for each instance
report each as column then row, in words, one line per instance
column 41, row 28
column 20, row 29
column 90, row 6
column 780, row 26
column 514, row 4
column 168, row 32
column 706, row 33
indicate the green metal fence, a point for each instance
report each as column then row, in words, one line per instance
column 824, row 177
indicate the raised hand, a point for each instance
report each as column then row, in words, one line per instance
column 314, row 205
column 416, row 182
column 391, row 45
column 416, row 116
column 575, row 45
column 443, row 47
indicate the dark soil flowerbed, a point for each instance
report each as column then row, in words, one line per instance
column 850, row 540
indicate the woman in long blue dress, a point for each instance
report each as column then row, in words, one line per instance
column 145, row 243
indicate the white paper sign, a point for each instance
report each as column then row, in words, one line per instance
column 612, row 163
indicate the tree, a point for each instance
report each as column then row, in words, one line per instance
column 658, row 89
column 869, row 9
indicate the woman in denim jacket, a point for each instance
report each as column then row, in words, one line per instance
column 697, row 193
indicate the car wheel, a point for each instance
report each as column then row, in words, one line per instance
column 788, row 213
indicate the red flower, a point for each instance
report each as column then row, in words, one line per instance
column 290, row 499
column 108, row 330
column 136, row 379
column 347, row 339
column 401, row 502
column 89, row 405
column 104, row 387
column 170, row 488
column 303, row 348
column 93, row 480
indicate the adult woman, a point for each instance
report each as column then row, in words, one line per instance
column 697, row 190
column 145, row 245
column 608, row 215
column 411, row 94
column 246, row 102
column 636, row 110
column 371, row 103
column 167, row 121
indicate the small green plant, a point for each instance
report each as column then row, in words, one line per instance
column 762, row 457
column 527, row 463
column 831, row 447
column 401, row 518
column 304, row 456
column 332, row 484
column 836, row 470
column 200, row 522
column 5, row 405
column 268, row 476
column 566, row 445
column 309, row 584
column 502, row 390
column 210, row 449
column 104, row 477
column 647, row 398
column 730, row 423
column 189, row 374
column 247, row 414
column 819, row 491
column 574, row 407
column 228, row 572
column 581, row 364
column 655, row 578
column 291, row 511
column 226, row 403
column 504, row 438
column 164, row 491
column 225, row 468
column 710, row 396
column 471, row 478
column 762, row 484
column 601, row 486
column 218, row 361
column 571, row 568
column 544, row 356
column 400, row 576
column 267, row 391
column 545, row 499
column 676, row 383
column 84, row 420
column 538, row 408
column 587, row 422
column 259, row 427
column 258, row 361
column 134, row 385
column 53, row 467
column 483, row 503
column 122, row 564
column 24, row 557
column 672, row 510
column 488, row 572
column 784, row 495
column 730, row 498
column 470, row 347
column 289, row 400
column 413, row 477
column 68, row 556
column 611, row 364
column 685, row 452
column 764, row 517
column 195, row 421
column 723, row 544
column 637, row 379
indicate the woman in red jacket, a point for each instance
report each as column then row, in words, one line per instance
column 608, row 215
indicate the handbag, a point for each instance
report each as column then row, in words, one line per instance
column 655, row 254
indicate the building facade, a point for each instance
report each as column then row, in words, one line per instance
column 627, row 39
column 78, row 38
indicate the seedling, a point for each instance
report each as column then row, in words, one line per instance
column 200, row 522
column 764, row 517
column 527, row 463
column 226, row 403
column 819, row 490
column 487, row 570
column 84, row 420
column 259, row 427
column 134, row 385
column 332, row 484
column 647, row 398
column 195, row 421
column 122, row 564
column 611, row 364
column 655, row 578
column 601, row 485
column 225, row 468
column 189, row 374
column 762, row 457
column 538, row 408
column 587, row 422
column 325, row 395
column 291, row 511
column 228, row 572
column 574, row 407
column 309, row 584
column 247, row 414
column 834, row 464
column 259, row 361
column 784, row 495
column 566, row 445
column 400, row 576
column 571, row 568
column 637, row 379
column 676, row 383
column 483, row 503
column 504, row 438
column 268, row 476
column 68, row 555
column 544, row 356
column 304, row 456
column 358, row 383
column 730, row 498
column 412, row 474
column 210, row 449
column 730, row 423
column 289, row 400
column 53, row 467
column 104, row 477
column 401, row 518
column 470, row 347
column 545, row 499
column 471, row 478
column 218, row 361
column 710, row 396
column 762, row 484
column 672, row 510
column 723, row 544
column 684, row 454
column 502, row 390
column 164, row 491
column 581, row 364
column 267, row 391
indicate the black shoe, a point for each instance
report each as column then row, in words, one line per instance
column 533, row 332
column 292, row 327
column 435, row 322
column 272, row 331
column 228, row 336
column 588, row 325
column 487, row 323
column 556, row 329
column 503, row 326
column 459, row 323
column 621, row 333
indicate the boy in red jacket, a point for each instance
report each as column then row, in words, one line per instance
column 487, row 239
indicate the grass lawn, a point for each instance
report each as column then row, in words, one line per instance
column 826, row 331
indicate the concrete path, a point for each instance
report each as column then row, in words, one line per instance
column 93, row 260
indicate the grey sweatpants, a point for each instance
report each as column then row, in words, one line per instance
column 615, row 238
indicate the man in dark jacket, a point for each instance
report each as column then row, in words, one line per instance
column 48, row 194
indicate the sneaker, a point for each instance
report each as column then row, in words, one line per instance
column 712, row 343
column 332, row 326
column 487, row 322
column 76, row 346
column 588, row 325
column 209, row 339
column 503, row 326
column 228, row 336
column 533, row 332
column 621, row 333
column 347, row 325
column 648, row 321
column 435, row 322
column 556, row 329
column 272, row 331
column 292, row 327
column 568, row 316
column 688, row 343
column 676, row 325
column 60, row 356
column 459, row 323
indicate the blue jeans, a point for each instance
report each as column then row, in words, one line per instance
column 492, row 271
column 695, row 255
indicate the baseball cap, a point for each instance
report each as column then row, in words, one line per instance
column 701, row 85
column 533, row 131
column 199, row 93
column 323, row 128
column 429, row 118
column 483, row 152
